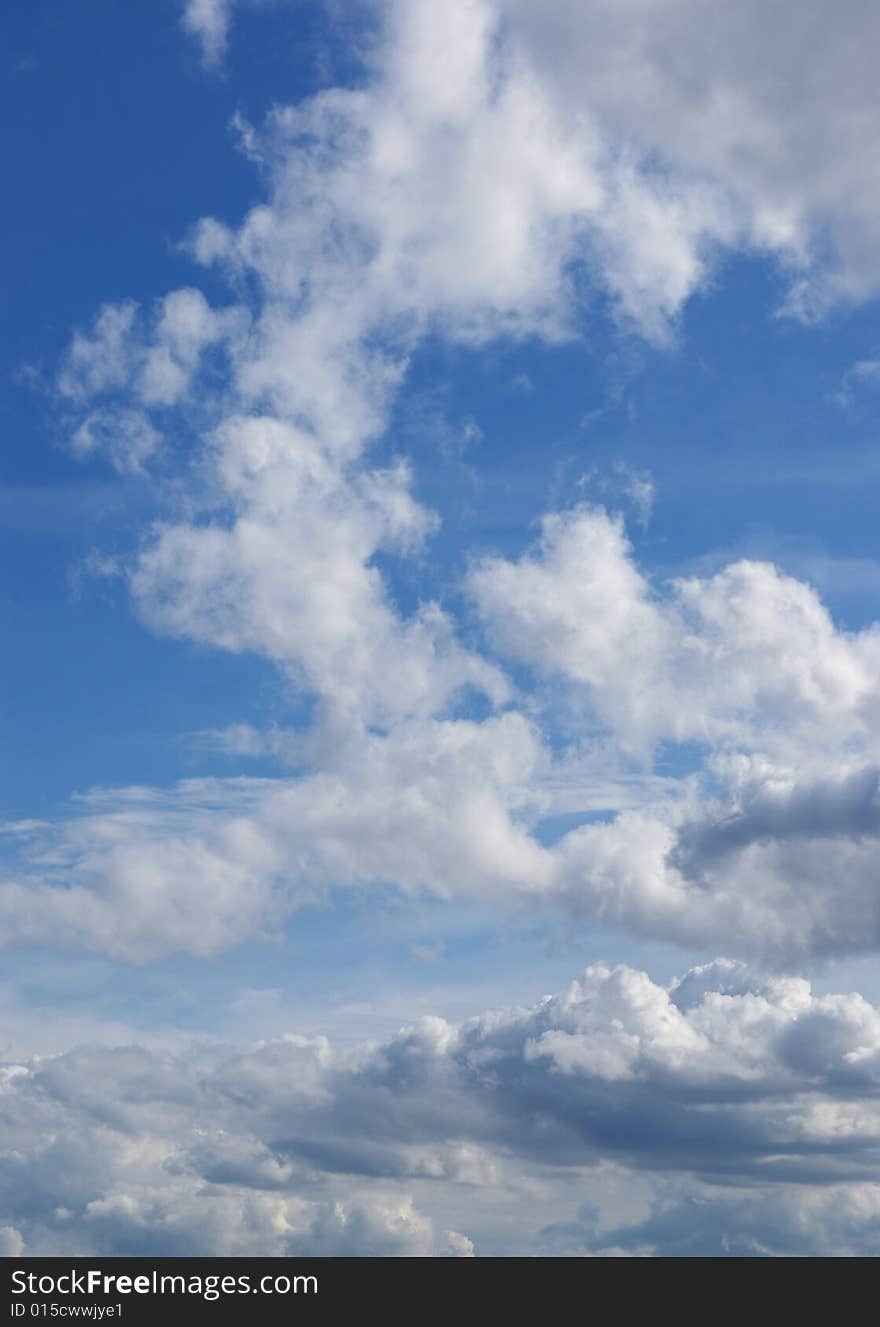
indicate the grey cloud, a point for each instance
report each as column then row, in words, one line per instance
column 724, row 1078
column 848, row 808
column 732, row 1223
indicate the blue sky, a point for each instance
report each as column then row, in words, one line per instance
column 440, row 556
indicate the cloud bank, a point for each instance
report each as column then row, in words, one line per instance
column 740, row 1112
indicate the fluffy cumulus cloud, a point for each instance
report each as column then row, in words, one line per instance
column 772, row 843
column 293, row 578
column 780, row 110
column 465, row 199
column 206, row 865
column 473, row 205
column 661, row 129
column 559, row 158
column 780, row 843
column 712, row 1101
column 747, row 658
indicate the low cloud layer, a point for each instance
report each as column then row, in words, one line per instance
column 725, row 1097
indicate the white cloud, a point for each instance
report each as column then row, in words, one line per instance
column 747, row 657
column 208, row 22
column 654, row 131
column 459, row 204
column 291, row 577
column 185, row 326
column 780, row 855
column 202, row 867
column 864, row 373
column 461, row 201
column 773, row 843
column 125, row 437
column 99, row 362
column 781, row 114
column 129, row 364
